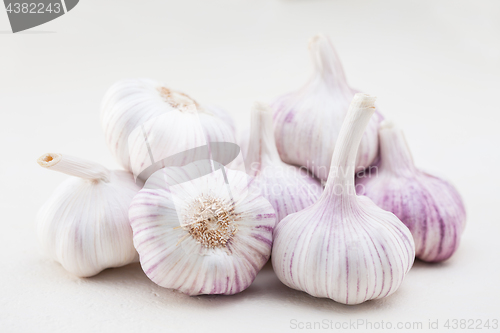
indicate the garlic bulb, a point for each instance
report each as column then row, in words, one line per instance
column 307, row 122
column 199, row 231
column 243, row 139
column 221, row 114
column 84, row 225
column 145, row 122
column 344, row 247
column 288, row 188
column 429, row 206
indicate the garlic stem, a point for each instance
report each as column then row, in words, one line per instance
column 340, row 183
column 262, row 150
column 74, row 166
column 327, row 64
column 394, row 151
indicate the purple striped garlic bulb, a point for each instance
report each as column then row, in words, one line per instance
column 429, row 206
column 307, row 122
column 344, row 247
column 84, row 225
column 134, row 111
column 201, row 232
column 288, row 188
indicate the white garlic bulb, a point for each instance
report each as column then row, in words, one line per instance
column 288, row 188
column 429, row 206
column 201, row 232
column 307, row 122
column 344, row 247
column 219, row 113
column 145, row 122
column 84, row 225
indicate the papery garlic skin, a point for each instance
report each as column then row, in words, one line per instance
column 172, row 251
column 288, row 188
column 307, row 122
column 344, row 247
column 128, row 104
column 243, row 138
column 84, row 225
column 221, row 114
column 429, row 206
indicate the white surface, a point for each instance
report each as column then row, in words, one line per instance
column 434, row 65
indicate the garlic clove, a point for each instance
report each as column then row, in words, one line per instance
column 84, row 224
column 128, row 104
column 344, row 247
column 173, row 133
column 429, row 206
column 243, row 139
column 201, row 233
column 288, row 188
column 221, row 114
column 307, row 122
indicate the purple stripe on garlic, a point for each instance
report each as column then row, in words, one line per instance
column 431, row 207
column 344, row 247
column 288, row 188
column 307, row 122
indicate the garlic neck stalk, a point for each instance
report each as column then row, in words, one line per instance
column 394, row 151
column 340, row 187
column 74, row 166
column 328, row 66
column 262, row 151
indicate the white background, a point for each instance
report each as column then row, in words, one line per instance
column 434, row 65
